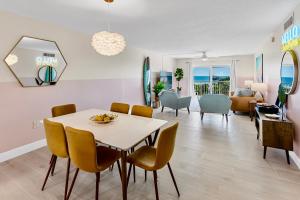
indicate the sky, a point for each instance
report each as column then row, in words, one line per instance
column 217, row 71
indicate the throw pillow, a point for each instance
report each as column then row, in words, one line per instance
column 237, row 92
column 247, row 92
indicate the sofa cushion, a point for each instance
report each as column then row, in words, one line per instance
column 243, row 92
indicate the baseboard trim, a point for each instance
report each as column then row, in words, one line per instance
column 295, row 158
column 21, row 150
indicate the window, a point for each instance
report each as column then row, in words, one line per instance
column 211, row 80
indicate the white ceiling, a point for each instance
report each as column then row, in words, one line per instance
column 177, row 27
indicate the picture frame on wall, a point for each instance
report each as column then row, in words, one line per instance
column 259, row 68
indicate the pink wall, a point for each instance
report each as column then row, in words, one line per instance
column 20, row 106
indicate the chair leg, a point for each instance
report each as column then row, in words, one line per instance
column 265, row 152
column 97, row 185
column 129, row 172
column 226, row 115
column 67, row 178
column 145, row 175
column 173, row 178
column 162, row 109
column 48, row 172
column 176, row 112
column 54, row 163
column 155, row 184
column 202, row 115
column 72, row 184
column 119, row 168
column 51, row 159
column 188, row 108
column 287, row 156
column 134, row 173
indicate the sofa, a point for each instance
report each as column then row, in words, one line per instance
column 214, row 103
column 242, row 103
column 171, row 99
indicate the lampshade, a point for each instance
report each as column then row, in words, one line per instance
column 11, row 59
column 108, row 44
column 248, row 83
column 261, row 87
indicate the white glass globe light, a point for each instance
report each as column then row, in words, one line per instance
column 108, row 44
column 11, row 59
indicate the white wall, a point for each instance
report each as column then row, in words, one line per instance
column 83, row 62
column 244, row 68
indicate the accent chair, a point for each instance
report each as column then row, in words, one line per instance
column 171, row 99
column 214, row 103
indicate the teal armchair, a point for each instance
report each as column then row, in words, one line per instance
column 170, row 99
column 214, row 103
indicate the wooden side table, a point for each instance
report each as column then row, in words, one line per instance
column 275, row 133
column 252, row 105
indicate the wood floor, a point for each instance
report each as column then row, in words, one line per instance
column 212, row 160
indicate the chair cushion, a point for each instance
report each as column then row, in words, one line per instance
column 144, row 158
column 106, row 157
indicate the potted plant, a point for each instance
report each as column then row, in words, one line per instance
column 282, row 98
column 178, row 76
column 157, row 88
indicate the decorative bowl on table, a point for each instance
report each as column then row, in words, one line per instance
column 104, row 118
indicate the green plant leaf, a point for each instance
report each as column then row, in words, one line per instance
column 282, row 95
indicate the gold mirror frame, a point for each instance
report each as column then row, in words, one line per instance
column 36, row 38
column 296, row 71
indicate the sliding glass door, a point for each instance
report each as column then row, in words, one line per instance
column 211, row 80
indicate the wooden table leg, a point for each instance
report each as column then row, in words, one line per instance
column 124, row 173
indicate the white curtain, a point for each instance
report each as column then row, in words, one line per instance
column 233, row 75
column 190, row 79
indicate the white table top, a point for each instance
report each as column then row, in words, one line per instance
column 123, row 133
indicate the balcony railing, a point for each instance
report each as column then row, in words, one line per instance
column 217, row 87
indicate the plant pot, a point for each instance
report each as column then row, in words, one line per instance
column 156, row 103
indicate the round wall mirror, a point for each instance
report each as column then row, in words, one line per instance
column 289, row 71
column 47, row 74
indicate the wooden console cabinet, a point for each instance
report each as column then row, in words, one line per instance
column 274, row 133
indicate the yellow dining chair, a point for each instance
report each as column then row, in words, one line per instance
column 57, row 144
column 153, row 159
column 142, row 111
column 86, row 156
column 63, row 110
column 59, row 111
column 120, row 107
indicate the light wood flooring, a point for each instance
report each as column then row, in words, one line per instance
column 213, row 160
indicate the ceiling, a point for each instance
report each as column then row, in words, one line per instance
column 175, row 27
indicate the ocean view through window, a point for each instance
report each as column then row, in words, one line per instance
column 211, row 80
column 287, row 77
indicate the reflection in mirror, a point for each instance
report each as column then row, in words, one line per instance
column 36, row 62
column 289, row 72
column 47, row 74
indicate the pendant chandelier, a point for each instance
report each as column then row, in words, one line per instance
column 108, row 43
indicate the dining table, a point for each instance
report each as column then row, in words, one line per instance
column 123, row 133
